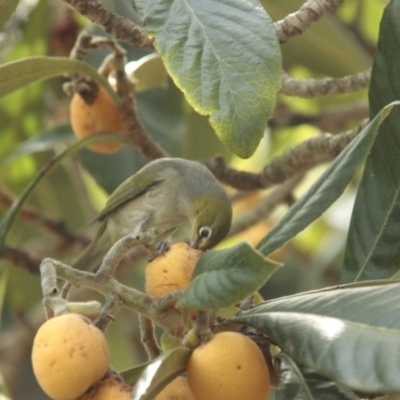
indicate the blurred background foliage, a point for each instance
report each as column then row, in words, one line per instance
column 37, row 116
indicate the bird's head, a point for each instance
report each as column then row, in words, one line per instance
column 211, row 221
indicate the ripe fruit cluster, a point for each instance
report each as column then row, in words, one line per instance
column 70, row 355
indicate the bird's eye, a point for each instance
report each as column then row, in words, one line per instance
column 205, row 232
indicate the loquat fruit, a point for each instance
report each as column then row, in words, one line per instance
column 229, row 367
column 69, row 355
column 101, row 117
column 172, row 270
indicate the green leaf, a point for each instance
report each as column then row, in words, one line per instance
column 365, row 315
column 45, row 141
column 362, row 357
column 149, row 72
column 370, row 305
column 326, row 189
column 372, row 250
column 300, row 383
column 17, row 74
column 7, row 7
column 132, row 375
column 224, row 277
column 225, row 57
column 160, row 372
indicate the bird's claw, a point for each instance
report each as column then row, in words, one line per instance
column 160, row 248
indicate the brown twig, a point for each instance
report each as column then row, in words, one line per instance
column 310, row 88
column 110, row 309
column 148, row 337
column 137, row 134
column 21, row 258
column 296, row 23
column 116, row 25
column 298, row 159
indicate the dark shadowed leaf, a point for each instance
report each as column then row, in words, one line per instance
column 225, row 277
column 225, row 57
column 372, row 250
column 300, row 383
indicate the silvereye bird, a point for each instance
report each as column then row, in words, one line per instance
column 163, row 194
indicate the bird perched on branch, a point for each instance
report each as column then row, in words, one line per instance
column 164, row 194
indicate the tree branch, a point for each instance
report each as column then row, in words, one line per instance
column 309, row 88
column 296, row 23
column 21, row 258
column 298, row 159
column 116, row 25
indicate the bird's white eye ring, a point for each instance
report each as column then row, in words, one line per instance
column 205, row 232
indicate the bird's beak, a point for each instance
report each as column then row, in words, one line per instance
column 195, row 243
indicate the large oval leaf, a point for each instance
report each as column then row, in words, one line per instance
column 370, row 305
column 373, row 250
column 225, row 277
column 225, row 57
column 363, row 357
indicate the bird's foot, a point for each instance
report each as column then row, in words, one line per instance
column 159, row 249
column 162, row 247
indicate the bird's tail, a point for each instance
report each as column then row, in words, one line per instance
column 91, row 258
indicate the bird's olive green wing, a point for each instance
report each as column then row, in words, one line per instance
column 132, row 188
